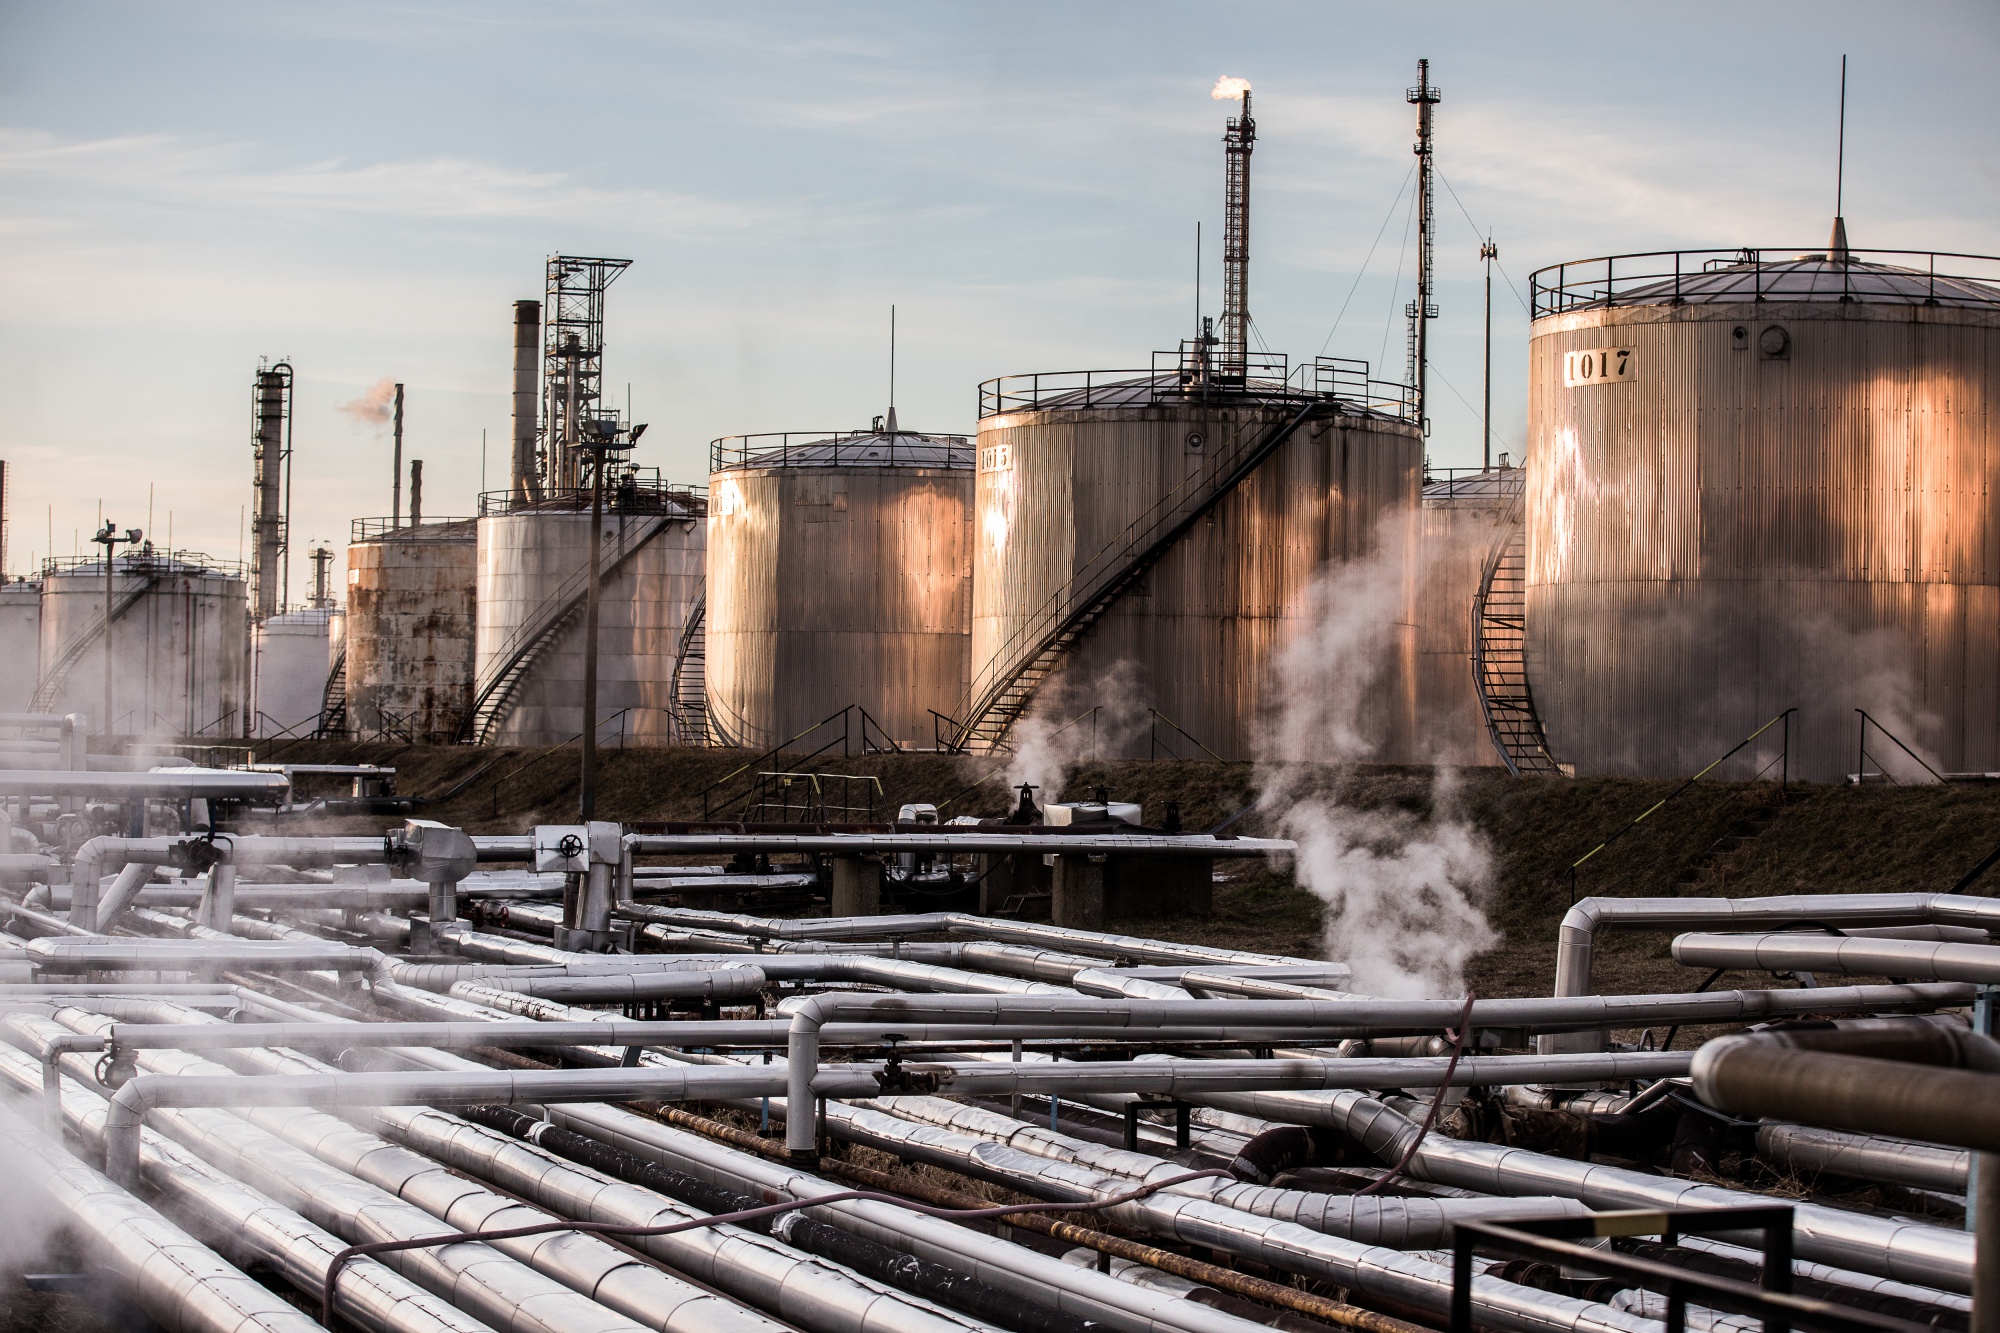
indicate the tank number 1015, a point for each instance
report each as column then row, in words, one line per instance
column 1601, row 365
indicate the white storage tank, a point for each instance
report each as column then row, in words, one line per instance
column 180, row 644
column 1081, row 475
column 839, row 574
column 1764, row 481
column 409, row 638
column 289, row 666
column 533, row 570
column 20, row 642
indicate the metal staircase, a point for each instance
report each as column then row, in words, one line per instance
column 493, row 694
column 49, row 685
column 1499, row 656
column 333, row 700
column 1034, row 651
column 690, row 683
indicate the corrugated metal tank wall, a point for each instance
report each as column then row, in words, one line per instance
column 181, row 650
column 289, row 665
column 1734, row 533
column 1461, row 519
column 410, row 600
column 832, row 585
column 1058, row 485
column 533, row 558
column 20, row 643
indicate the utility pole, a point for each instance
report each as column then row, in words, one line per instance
column 1488, row 252
column 1423, row 310
column 108, row 537
column 602, row 436
column 396, row 468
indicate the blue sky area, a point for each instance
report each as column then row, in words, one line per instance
column 365, row 188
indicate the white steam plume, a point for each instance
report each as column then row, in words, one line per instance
column 1229, row 88
column 1058, row 736
column 1403, row 893
column 374, row 407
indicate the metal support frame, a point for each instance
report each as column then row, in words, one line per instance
column 573, row 309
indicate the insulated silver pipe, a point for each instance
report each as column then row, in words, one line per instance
column 1926, row 959
column 1924, row 1166
column 1576, row 938
column 956, row 840
column 162, row 784
column 63, row 954
column 182, row 1284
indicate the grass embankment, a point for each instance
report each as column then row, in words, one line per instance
column 1716, row 839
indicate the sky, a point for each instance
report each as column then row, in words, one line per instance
column 366, row 188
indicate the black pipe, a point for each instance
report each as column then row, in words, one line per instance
column 903, row 1271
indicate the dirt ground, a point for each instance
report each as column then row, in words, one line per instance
column 1728, row 839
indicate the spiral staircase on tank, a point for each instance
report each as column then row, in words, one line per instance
column 1499, row 652
column 333, row 700
column 1035, row 650
column 690, row 683
column 72, row 653
column 494, row 691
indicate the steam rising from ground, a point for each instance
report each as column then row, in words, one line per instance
column 375, row 407
column 1403, row 891
column 1229, row 88
column 1070, row 725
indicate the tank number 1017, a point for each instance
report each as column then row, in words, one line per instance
column 1602, row 365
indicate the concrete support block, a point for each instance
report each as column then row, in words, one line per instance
column 1156, row 886
column 1078, row 893
column 857, row 886
column 1005, row 875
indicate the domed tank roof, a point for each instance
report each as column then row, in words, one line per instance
column 867, row 448
column 1736, row 277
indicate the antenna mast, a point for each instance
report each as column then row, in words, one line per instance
column 1836, row 246
column 1238, row 143
column 1422, row 310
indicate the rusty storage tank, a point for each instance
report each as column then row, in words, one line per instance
column 1464, row 512
column 1759, row 482
column 409, row 619
column 179, row 644
column 1257, row 484
column 839, row 574
column 288, row 670
column 533, row 568
column 20, row 642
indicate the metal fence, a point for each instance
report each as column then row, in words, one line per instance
column 374, row 529
column 1190, row 375
column 833, row 448
column 1899, row 277
column 145, row 560
column 632, row 491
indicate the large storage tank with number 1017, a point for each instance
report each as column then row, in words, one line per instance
column 1758, row 483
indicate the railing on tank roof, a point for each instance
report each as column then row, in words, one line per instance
column 374, row 529
column 632, row 490
column 1502, row 481
column 1659, row 276
column 1190, row 374
column 146, row 560
column 792, row 448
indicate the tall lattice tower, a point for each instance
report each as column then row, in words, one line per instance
column 1237, row 146
column 271, row 456
column 1423, row 310
column 572, row 346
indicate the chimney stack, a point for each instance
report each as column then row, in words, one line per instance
column 527, row 475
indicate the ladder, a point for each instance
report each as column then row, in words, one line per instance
column 1037, row 649
column 333, row 700
column 493, row 695
column 1499, row 652
column 690, row 684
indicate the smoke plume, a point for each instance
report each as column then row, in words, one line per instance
column 1403, row 892
column 1229, row 88
column 1070, row 724
column 375, row 407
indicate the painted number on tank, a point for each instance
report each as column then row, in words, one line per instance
column 996, row 458
column 1601, row 365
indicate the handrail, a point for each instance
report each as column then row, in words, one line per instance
column 732, row 452
column 1154, row 737
column 693, row 647
column 1611, row 280
column 1482, row 666
column 1861, row 763
column 710, row 801
column 333, row 712
column 1067, row 610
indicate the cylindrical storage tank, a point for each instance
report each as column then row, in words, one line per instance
column 1756, row 485
column 289, row 665
column 839, row 575
column 1464, row 513
column 1074, row 482
column 410, row 629
column 180, row 645
column 533, row 575
column 20, row 643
